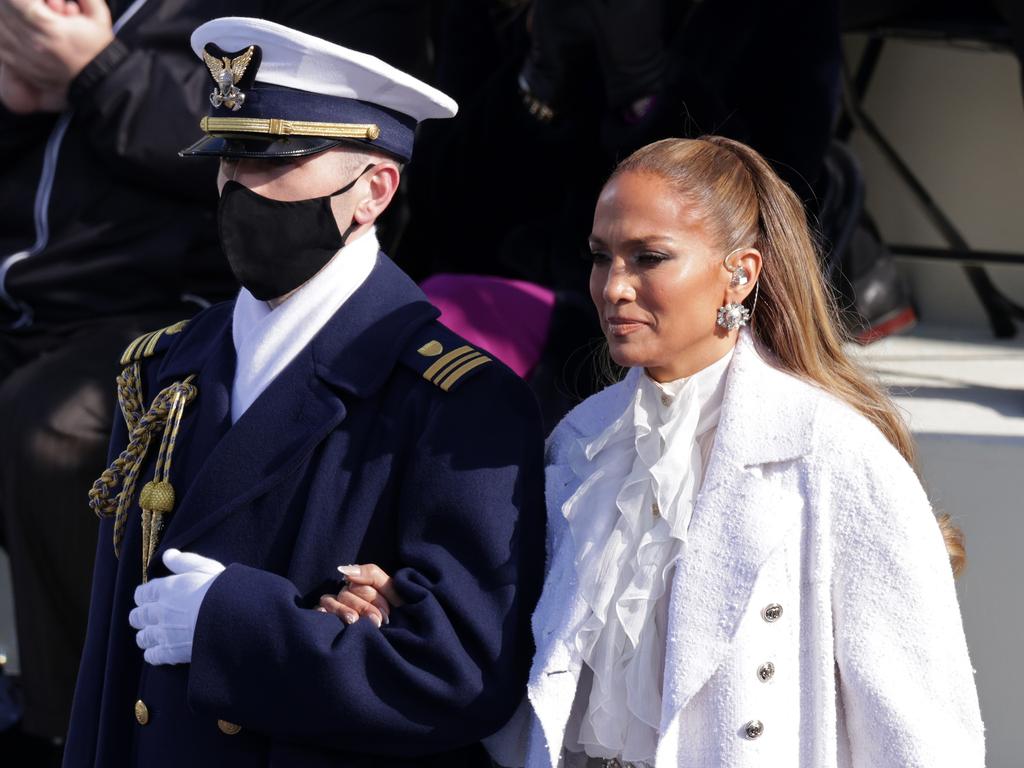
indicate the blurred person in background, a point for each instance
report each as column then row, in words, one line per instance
column 555, row 92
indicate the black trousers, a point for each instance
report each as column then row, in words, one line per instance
column 57, row 399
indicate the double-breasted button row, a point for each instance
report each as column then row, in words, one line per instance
column 142, row 718
column 770, row 613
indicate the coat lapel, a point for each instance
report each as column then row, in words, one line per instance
column 350, row 358
column 738, row 521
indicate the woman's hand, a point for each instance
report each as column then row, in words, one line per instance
column 370, row 593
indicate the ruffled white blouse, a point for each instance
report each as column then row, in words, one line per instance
column 628, row 521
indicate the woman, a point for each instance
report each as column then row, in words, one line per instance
column 743, row 568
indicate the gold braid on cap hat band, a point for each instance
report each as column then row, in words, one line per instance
column 280, row 127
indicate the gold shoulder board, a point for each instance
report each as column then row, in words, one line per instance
column 145, row 345
column 443, row 358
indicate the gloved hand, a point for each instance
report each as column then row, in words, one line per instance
column 168, row 607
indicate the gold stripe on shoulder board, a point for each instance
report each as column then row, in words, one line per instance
column 456, row 363
column 129, row 353
column 444, row 360
column 151, row 344
column 462, row 370
column 145, row 345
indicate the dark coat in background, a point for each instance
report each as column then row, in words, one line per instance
column 351, row 455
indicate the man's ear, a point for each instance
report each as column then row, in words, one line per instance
column 382, row 184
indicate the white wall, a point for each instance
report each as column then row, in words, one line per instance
column 956, row 116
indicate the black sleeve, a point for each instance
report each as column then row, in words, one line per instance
column 141, row 102
column 20, row 134
column 451, row 666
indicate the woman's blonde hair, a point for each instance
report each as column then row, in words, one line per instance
column 743, row 203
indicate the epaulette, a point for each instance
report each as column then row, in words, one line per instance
column 148, row 344
column 442, row 357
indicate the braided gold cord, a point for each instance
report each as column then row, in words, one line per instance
column 125, row 468
column 157, row 497
column 129, row 395
column 175, row 408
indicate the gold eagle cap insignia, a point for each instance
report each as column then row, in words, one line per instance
column 226, row 73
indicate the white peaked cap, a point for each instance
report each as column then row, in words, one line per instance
column 296, row 60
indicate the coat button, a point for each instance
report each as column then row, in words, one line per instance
column 766, row 671
column 771, row 612
column 655, row 509
column 666, row 400
column 141, row 712
column 228, row 728
column 754, row 729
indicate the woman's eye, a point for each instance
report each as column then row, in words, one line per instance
column 597, row 257
column 651, row 259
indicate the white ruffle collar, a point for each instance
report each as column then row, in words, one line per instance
column 628, row 520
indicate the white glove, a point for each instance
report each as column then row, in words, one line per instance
column 168, row 607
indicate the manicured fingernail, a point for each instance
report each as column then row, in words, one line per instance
column 351, row 618
column 349, row 570
column 375, row 620
column 387, row 620
column 321, row 609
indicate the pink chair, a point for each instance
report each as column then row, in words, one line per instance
column 511, row 319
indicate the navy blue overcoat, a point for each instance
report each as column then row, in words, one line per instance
column 351, row 455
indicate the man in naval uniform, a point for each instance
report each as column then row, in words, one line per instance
column 324, row 418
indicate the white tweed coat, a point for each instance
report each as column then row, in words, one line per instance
column 804, row 505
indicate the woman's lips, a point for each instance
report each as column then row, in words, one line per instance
column 622, row 326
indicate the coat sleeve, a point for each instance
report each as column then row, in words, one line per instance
column 906, row 684
column 140, row 101
column 451, row 666
column 84, row 728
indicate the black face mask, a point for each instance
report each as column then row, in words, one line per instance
column 273, row 246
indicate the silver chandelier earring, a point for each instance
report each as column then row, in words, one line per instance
column 733, row 316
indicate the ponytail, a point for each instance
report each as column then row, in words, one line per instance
column 746, row 204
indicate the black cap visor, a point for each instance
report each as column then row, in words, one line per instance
column 242, row 145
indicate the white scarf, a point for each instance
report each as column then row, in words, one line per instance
column 266, row 339
column 628, row 520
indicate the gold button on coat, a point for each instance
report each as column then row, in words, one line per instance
column 229, row 728
column 772, row 612
column 766, row 671
column 141, row 712
column 754, row 729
